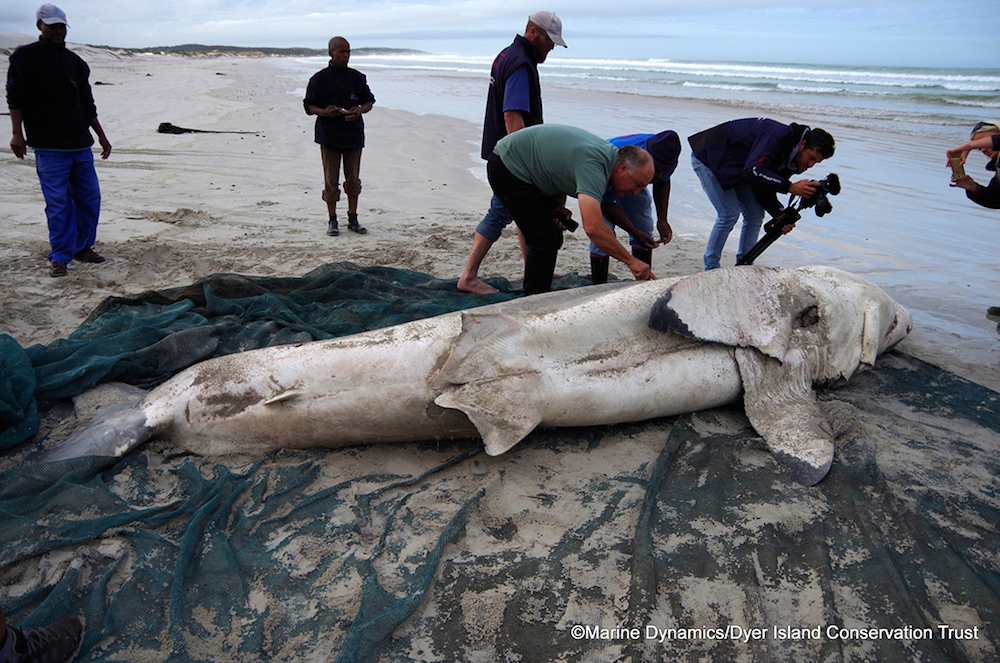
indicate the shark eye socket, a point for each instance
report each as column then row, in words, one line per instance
column 807, row 317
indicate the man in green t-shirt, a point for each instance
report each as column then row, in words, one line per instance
column 534, row 169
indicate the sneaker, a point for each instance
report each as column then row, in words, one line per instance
column 55, row 643
column 57, row 268
column 332, row 229
column 352, row 224
column 88, row 255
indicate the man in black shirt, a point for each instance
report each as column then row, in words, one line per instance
column 49, row 94
column 337, row 96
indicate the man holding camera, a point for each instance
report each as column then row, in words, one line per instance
column 744, row 164
column 534, row 169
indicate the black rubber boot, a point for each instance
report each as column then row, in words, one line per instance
column 645, row 255
column 599, row 268
column 332, row 229
column 352, row 223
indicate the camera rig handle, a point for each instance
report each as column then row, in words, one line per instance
column 772, row 231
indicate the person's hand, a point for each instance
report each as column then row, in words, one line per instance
column 966, row 183
column 352, row 113
column 787, row 228
column 560, row 216
column 666, row 234
column 18, row 146
column 957, row 153
column 804, row 188
column 645, row 240
column 641, row 270
column 331, row 111
column 105, row 147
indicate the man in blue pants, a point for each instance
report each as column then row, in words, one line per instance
column 49, row 94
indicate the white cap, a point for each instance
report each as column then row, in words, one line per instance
column 50, row 15
column 549, row 22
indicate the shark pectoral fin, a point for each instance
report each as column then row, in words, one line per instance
column 781, row 405
column 504, row 410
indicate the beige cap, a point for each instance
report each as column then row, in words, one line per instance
column 549, row 22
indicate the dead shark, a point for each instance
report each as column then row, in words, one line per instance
column 584, row 357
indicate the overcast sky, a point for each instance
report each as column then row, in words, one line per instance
column 962, row 33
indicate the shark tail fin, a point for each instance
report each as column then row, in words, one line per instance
column 114, row 431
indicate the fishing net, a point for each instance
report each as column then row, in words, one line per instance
column 670, row 539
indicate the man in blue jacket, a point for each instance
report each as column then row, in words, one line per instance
column 744, row 164
column 514, row 101
column 49, row 94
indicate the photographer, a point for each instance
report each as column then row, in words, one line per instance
column 744, row 164
column 986, row 138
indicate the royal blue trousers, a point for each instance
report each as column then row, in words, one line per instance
column 72, row 200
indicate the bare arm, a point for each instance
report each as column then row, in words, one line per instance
column 17, row 142
column 961, row 152
column 101, row 138
column 616, row 215
column 513, row 121
column 661, row 201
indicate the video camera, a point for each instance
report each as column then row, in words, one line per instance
column 828, row 186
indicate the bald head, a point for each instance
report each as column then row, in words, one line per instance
column 340, row 51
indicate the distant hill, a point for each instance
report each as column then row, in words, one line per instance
column 201, row 49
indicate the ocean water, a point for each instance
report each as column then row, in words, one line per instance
column 896, row 222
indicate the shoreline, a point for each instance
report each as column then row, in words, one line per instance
column 180, row 207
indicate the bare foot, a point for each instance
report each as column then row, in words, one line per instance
column 475, row 286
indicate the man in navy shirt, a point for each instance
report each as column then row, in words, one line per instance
column 744, row 164
column 514, row 101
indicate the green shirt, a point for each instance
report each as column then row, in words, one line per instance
column 559, row 159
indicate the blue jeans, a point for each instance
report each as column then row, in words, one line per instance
column 638, row 209
column 729, row 204
column 496, row 219
column 72, row 200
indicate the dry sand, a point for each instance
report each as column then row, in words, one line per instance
column 179, row 207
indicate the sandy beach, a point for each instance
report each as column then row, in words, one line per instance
column 459, row 556
column 177, row 208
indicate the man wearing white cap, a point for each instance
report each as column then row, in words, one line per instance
column 49, row 94
column 514, row 102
